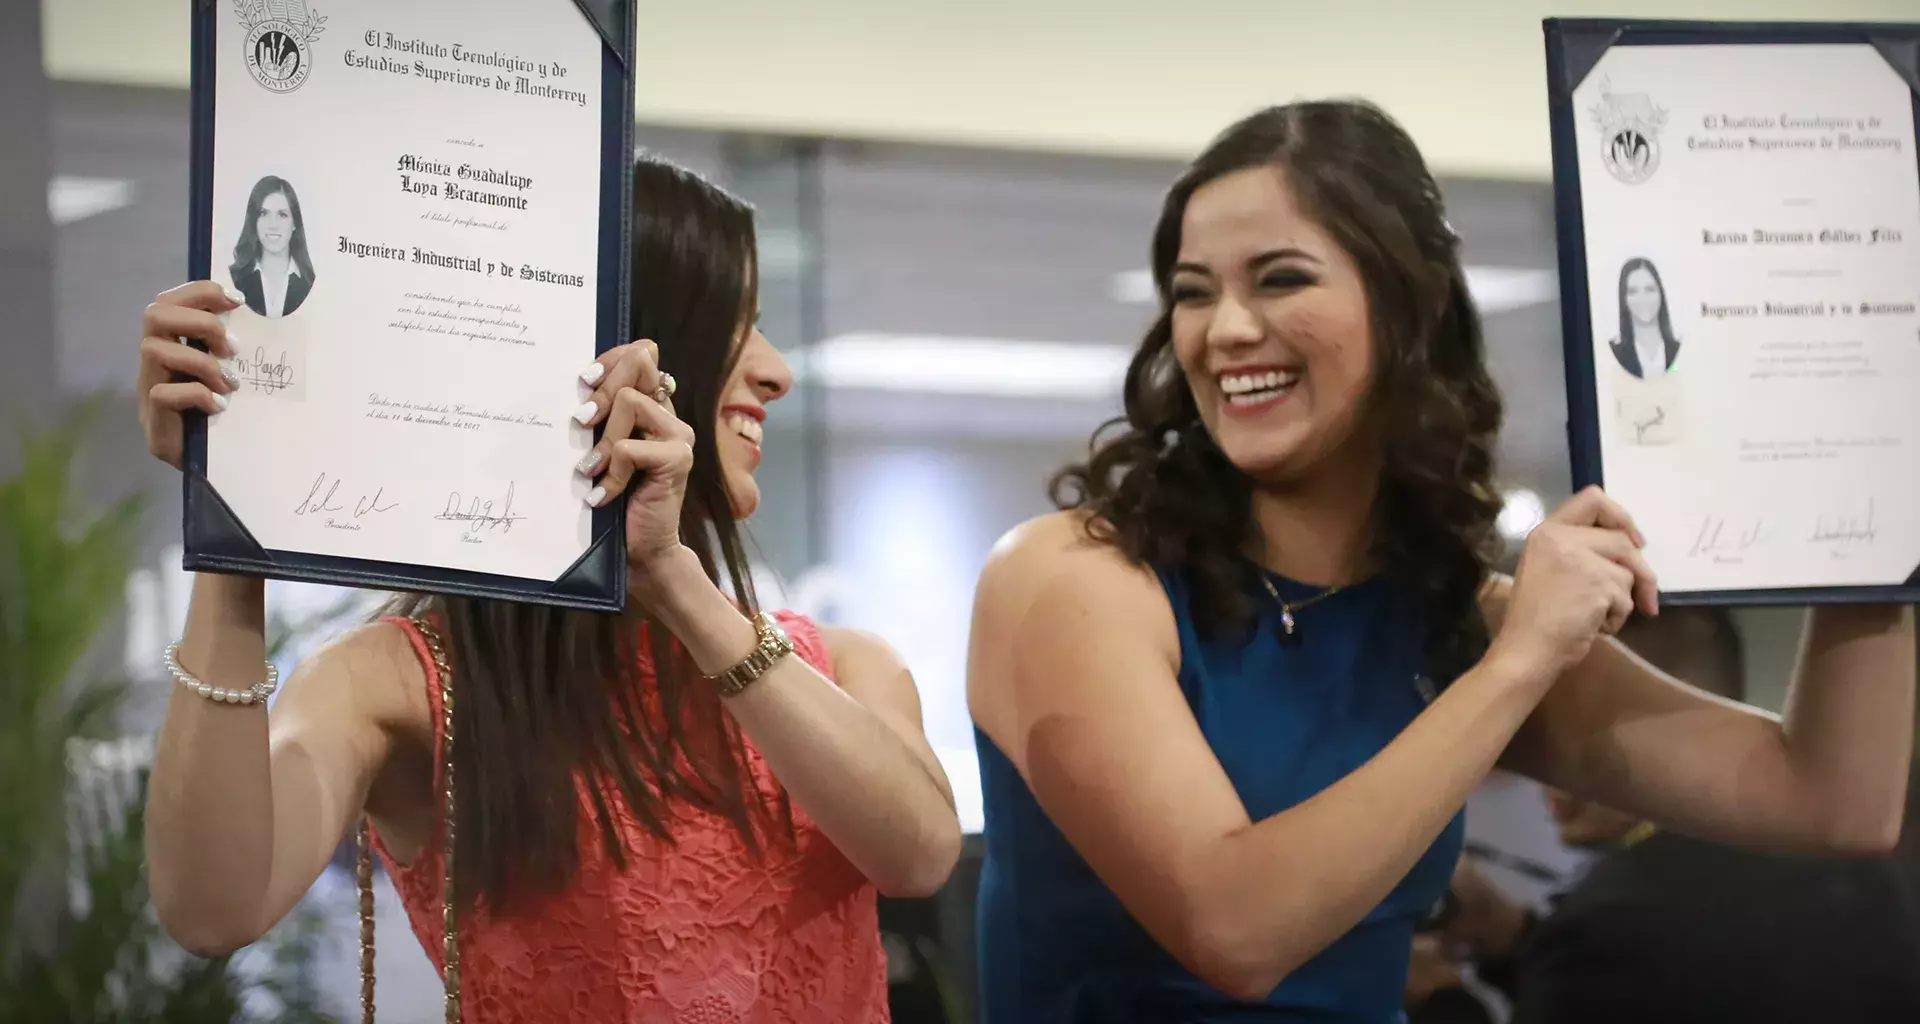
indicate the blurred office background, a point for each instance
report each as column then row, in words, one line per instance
column 954, row 200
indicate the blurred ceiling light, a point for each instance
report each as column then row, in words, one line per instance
column 70, row 199
column 1520, row 511
column 931, row 364
column 1502, row 289
column 1495, row 289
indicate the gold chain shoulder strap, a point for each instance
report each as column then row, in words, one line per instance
column 450, row 948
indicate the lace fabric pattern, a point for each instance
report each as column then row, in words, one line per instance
column 699, row 932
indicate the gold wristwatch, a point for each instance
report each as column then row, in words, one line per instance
column 772, row 645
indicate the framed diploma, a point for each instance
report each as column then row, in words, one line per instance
column 425, row 204
column 1738, row 209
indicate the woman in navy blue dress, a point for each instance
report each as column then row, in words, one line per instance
column 1232, row 697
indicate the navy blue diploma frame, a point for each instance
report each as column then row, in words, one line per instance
column 1573, row 48
column 215, row 540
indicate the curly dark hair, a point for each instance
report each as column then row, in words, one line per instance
column 1160, row 490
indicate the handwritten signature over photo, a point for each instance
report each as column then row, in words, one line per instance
column 262, row 373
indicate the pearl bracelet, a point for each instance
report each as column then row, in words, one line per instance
column 255, row 694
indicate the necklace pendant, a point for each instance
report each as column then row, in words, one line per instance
column 1287, row 634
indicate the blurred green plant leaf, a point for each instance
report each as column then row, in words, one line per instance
column 97, row 953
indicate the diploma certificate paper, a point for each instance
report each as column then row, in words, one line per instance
column 1739, row 221
column 424, row 204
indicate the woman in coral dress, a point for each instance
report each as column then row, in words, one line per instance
column 682, row 814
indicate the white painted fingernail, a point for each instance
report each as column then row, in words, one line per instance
column 220, row 403
column 584, row 415
column 590, row 463
column 234, row 296
column 596, row 496
column 593, row 375
column 232, row 378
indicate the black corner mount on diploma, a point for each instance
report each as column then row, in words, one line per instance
column 586, row 577
column 1902, row 53
column 609, row 18
column 212, row 530
column 1581, row 44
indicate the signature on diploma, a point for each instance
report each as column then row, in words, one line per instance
column 1640, row 427
column 264, row 374
column 1721, row 541
column 1844, row 531
column 324, row 499
column 482, row 515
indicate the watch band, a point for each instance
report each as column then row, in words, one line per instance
column 773, row 644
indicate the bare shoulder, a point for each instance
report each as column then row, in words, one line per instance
column 369, row 675
column 1060, row 548
column 1051, row 593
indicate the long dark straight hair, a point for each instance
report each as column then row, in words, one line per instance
column 549, row 703
column 246, row 251
column 1626, row 315
column 1166, row 495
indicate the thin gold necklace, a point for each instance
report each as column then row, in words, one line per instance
column 1289, row 631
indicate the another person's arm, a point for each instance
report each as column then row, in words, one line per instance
column 1830, row 776
column 1085, row 702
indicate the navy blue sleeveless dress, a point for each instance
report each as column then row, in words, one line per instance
column 1056, row 945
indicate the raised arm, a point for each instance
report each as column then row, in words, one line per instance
column 1830, row 776
column 243, row 808
column 852, row 755
column 1075, row 659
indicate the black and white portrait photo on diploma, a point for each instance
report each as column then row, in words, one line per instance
column 1646, row 353
column 272, row 265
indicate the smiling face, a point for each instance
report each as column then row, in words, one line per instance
column 1270, row 325
column 275, row 224
column 1643, row 296
column 760, row 377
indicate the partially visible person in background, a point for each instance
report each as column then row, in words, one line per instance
column 1665, row 927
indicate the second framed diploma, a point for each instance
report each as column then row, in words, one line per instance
column 1739, row 230
column 425, row 206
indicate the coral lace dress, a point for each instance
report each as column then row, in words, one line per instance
column 699, row 932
